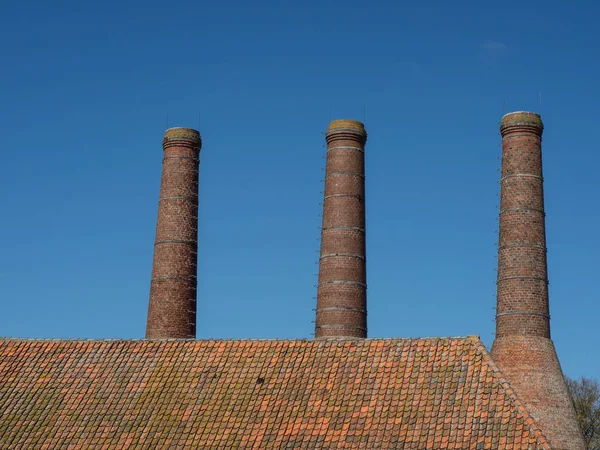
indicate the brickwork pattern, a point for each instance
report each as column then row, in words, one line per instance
column 439, row 393
column 522, row 275
column 531, row 366
column 172, row 305
column 522, row 348
column 342, row 286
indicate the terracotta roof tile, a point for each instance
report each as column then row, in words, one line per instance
column 226, row 394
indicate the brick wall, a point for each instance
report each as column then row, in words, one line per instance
column 341, row 292
column 523, row 349
column 172, row 306
column 522, row 275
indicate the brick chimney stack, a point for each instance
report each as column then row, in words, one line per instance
column 522, row 347
column 172, row 306
column 342, row 288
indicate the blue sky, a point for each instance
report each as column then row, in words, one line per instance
column 87, row 90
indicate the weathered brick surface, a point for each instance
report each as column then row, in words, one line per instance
column 172, row 306
column 522, row 275
column 341, row 292
column 531, row 366
column 349, row 239
column 523, row 349
column 348, row 295
column 338, row 267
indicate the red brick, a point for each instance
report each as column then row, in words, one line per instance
column 172, row 305
column 523, row 349
column 342, row 289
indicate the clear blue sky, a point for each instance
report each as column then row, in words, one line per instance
column 87, row 90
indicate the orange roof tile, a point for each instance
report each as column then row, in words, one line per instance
column 224, row 394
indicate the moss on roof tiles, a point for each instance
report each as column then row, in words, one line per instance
column 257, row 393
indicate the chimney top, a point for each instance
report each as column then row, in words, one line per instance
column 520, row 119
column 341, row 129
column 183, row 134
column 345, row 125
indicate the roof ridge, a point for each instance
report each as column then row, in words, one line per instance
column 512, row 395
column 426, row 338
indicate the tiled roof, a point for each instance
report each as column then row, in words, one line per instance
column 270, row 394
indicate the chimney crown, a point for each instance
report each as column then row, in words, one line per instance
column 346, row 124
column 179, row 136
column 521, row 119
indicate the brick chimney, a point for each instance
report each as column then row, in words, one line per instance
column 172, row 306
column 342, row 288
column 522, row 347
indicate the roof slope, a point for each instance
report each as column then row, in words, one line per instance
column 285, row 394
